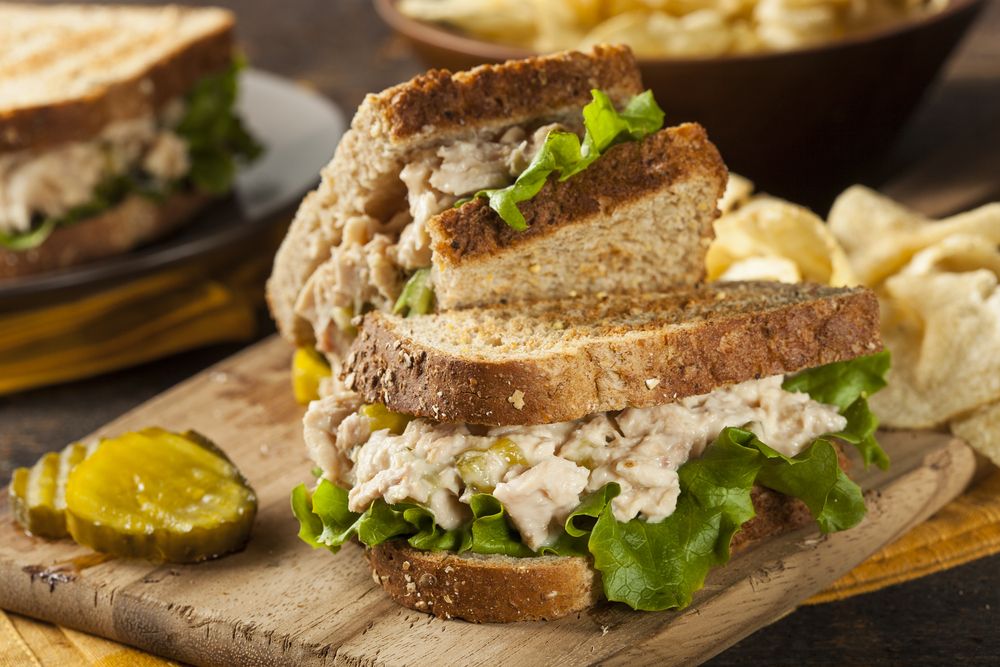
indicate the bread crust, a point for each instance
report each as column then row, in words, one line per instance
column 484, row 589
column 500, row 589
column 41, row 126
column 134, row 221
column 704, row 345
column 440, row 101
column 627, row 172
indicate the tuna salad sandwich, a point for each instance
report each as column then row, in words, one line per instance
column 525, row 461
column 537, row 178
column 116, row 126
column 534, row 403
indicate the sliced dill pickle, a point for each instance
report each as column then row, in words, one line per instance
column 381, row 417
column 38, row 494
column 508, row 450
column 478, row 468
column 309, row 368
column 159, row 495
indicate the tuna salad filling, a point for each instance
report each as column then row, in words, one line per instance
column 653, row 497
column 542, row 473
column 49, row 183
column 374, row 259
column 193, row 143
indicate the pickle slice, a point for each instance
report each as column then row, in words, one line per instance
column 309, row 368
column 478, row 467
column 381, row 417
column 38, row 494
column 161, row 496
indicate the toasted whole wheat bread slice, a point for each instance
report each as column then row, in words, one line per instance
column 502, row 589
column 552, row 361
column 135, row 221
column 432, row 109
column 67, row 71
column 638, row 219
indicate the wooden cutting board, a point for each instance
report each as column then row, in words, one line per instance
column 279, row 602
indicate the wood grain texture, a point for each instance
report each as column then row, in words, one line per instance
column 278, row 602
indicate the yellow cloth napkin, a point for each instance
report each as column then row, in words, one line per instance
column 145, row 319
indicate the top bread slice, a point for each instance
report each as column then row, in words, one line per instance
column 432, row 109
column 67, row 71
column 638, row 219
column 554, row 361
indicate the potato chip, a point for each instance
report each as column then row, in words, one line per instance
column 738, row 192
column 780, row 233
column 881, row 236
column 981, row 430
column 943, row 330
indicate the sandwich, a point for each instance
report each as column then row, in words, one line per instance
column 530, row 179
column 534, row 401
column 525, row 461
column 117, row 125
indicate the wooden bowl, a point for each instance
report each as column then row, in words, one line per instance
column 802, row 124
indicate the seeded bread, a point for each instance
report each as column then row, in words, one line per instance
column 638, row 219
column 552, row 361
column 501, row 589
column 362, row 179
column 56, row 85
column 137, row 220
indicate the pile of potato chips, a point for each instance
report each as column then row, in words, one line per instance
column 937, row 283
column 673, row 28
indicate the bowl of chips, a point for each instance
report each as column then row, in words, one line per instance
column 805, row 96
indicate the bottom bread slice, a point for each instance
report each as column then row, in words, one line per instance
column 502, row 589
column 133, row 222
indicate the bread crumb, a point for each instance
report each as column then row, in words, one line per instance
column 447, row 598
column 517, row 399
column 652, row 383
column 406, row 566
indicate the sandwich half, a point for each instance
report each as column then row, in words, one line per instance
column 116, row 125
column 524, row 462
column 532, row 179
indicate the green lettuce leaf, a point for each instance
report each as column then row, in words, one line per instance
column 563, row 152
column 215, row 134
column 815, row 478
column 216, row 138
column 848, row 384
column 326, row 521
column 843, row 382
column 655, row 566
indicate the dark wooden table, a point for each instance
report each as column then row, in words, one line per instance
column 342, row 49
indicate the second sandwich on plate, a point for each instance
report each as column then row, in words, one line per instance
column 525, row 462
